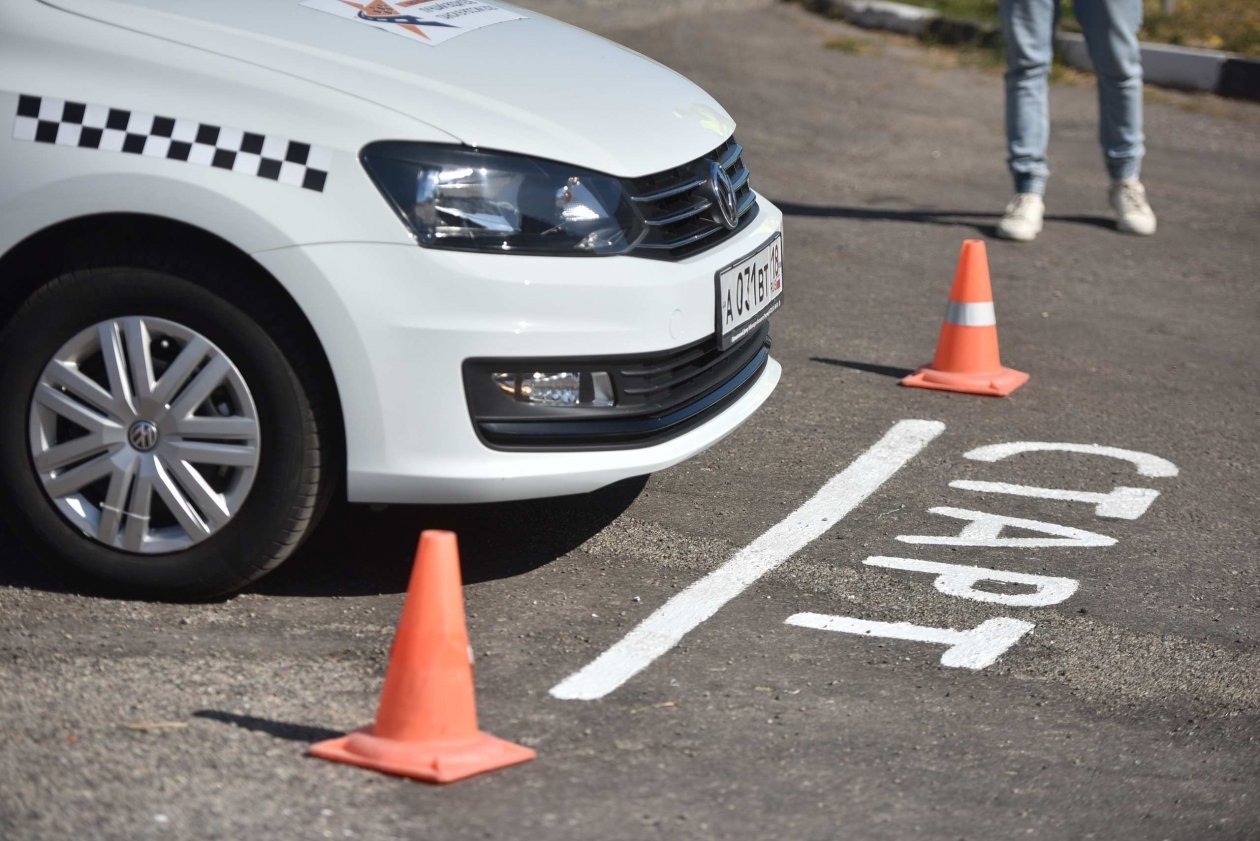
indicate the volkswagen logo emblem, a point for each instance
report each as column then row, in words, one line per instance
column 723, row 196
column 143, row 435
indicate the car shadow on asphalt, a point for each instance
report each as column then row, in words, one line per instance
column 358, row 551
column 18, row 569
column 361, row 551
column 959, row 218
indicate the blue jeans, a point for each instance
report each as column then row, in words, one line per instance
column 1110, row 28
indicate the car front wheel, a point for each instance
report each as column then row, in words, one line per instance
column 155, row 438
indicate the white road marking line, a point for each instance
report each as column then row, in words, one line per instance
column 672, row 621
column 1146, row 464
column 1121, row 503
column 974, row 649
column 985, row 529
column 959, row 580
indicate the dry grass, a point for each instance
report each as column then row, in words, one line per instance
column 1232, row 25
column 854, row 46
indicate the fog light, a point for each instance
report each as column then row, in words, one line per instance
column 558, row 388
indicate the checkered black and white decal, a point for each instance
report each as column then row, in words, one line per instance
column 47, row 120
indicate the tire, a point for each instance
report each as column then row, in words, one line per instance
column 156, row 522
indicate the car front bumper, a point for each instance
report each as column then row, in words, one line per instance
column 398, row 322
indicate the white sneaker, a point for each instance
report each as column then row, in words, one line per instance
column 1133, row 213
column 1022, row 219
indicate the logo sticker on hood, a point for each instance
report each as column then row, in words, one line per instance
column 426, row 21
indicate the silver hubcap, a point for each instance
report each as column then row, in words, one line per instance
column 144, row 435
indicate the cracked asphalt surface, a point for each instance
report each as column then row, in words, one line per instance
column 1131, row 711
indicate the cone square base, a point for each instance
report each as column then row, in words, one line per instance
column 997, row 383
column 430, row 762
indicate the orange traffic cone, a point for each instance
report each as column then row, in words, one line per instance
column 967, row 353
column 426, row 726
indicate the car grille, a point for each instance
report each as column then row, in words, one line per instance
column 678, row 205
column 658, row 397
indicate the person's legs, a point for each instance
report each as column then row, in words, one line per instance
column 1110, row 28
column 1028, row 33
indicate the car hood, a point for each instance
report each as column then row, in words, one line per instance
column 535, row 85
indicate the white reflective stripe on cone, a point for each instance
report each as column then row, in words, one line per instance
column 971, row 315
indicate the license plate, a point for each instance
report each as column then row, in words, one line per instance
column 748, row 291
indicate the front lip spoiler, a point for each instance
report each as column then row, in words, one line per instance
column 618, row 433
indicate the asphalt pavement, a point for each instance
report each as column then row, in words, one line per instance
column 1118, row 698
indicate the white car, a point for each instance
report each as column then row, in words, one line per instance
column 257, row 252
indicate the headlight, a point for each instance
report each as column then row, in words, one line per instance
column 455, row 197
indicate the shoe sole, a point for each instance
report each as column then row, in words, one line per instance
column 1014, row 237
column 1129, row 229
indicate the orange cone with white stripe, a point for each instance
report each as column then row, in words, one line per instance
column 967, row 357
column 426, row 725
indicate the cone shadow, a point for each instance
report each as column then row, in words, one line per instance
column 867, row 367
column 279, row 729
column 924, row 216
column 983, row 222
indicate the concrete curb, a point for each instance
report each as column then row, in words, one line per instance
column 1162, row 64
column 877, row 14
column 1165, row 65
